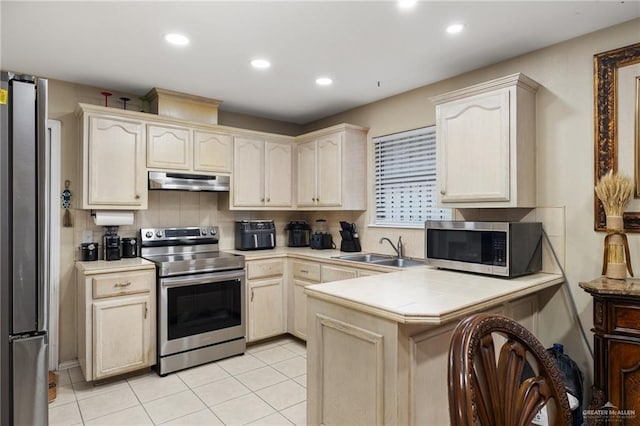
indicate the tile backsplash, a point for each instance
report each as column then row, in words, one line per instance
column 182, row 208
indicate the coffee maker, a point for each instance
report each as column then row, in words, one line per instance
column 111, row 243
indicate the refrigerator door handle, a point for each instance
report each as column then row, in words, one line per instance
column 44, row 188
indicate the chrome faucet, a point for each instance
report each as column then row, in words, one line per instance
column 398, row 248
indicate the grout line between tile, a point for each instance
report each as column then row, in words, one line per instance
column 140, row 402
column 232, row 375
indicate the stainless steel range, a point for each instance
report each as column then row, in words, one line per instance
column 201, row 292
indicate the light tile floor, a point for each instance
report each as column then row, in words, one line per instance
column 265, row 386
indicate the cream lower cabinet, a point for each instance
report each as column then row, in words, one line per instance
column 486, row 144
column 306, row 273
column 262, row 173
column 116, row 320
column 112, row 160
column 365, row 369
column 303, row 273
column 122, row 335
column 265, row 298
column 331, row 168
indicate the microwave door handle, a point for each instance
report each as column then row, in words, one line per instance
column 255, row 240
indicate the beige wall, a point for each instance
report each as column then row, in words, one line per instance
column 565, row 139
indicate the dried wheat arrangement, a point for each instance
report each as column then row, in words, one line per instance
column 614, row 191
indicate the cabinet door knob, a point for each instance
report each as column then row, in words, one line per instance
column 268, row 200
column 137, row 197
column 262, row 200
column 443, row 192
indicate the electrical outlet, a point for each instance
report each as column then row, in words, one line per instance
column 87, row 236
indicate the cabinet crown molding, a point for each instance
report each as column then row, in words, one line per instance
column 518, row 79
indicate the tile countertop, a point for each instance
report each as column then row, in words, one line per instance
column 306, row 253
column 425, row 295
column 288, row 251
column 122, row 265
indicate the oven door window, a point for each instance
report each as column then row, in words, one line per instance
column 202, row 308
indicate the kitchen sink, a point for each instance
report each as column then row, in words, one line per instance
column 400, row 263
column 381, row 259
column 367, row 258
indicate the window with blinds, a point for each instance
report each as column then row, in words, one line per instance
column 405, row 178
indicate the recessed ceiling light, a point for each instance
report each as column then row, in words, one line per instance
column 176, row 39
column 260, row 63
column 455, row 28
column 406, row 4
column 323, row 81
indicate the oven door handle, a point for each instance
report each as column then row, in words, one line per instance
column 201, row 279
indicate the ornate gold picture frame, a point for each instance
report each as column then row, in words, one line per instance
column 606, row 65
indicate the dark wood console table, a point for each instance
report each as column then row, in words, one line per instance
column 616, row 328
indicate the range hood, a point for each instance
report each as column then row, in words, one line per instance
column 188, row 182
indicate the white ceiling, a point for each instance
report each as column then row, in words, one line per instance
column 119, row 46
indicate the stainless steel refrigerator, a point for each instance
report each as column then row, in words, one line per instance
column 23, row 251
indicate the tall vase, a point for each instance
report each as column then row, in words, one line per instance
column 616, row 265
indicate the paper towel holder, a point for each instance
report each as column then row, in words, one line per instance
column 112, row 218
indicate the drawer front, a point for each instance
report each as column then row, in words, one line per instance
column 264, row 268
column 306, row 271
column 109, row 285
column 625, row 319
column 334, row 273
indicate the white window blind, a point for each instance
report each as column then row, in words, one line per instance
column 405, row 178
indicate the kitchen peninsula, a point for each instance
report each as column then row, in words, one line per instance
column 377, row 346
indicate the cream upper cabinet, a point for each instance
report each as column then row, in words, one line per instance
column 112, row 160
column 169, row 147
column 212, row 152
column 306, row 165
column 331, row 168
column 262, row 173
column 278, row 174
column 248, row 172
column 486, row 154
column 176, row 148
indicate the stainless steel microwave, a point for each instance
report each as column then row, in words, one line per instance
column 506, row 249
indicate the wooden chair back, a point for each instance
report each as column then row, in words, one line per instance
column 489, row 392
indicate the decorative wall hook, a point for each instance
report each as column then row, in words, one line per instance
column 66, row 204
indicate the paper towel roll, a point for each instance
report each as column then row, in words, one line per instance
column 110, row 218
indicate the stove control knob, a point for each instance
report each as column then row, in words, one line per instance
column 159, row 234
column 203, row 232
column 213, row 231
column 149, row 234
